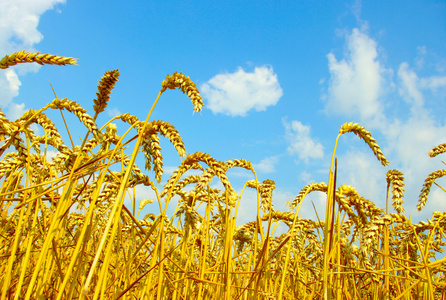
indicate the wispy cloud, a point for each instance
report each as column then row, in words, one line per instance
column 267, row 165
column 9, row 84
column 113, row 112
column 357, row 81
column 16, row 111
column 300, row 141
column 235, row 94
column 18, row 31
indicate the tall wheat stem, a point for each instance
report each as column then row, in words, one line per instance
column 328, row 226
column 119, row 200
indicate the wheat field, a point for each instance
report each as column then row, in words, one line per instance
column 67, row 233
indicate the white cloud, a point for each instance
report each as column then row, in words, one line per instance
column 113, row 112
column 15, row 111
column 409, row 87
column 433, row 82
column 9, row 85
column 235, row 94
column 421, row 53
column 267, row 165
column 50, row 154
column 19, row 21
column 18, row 31
column 306, row 177
column 357, row 82
column 301, row 142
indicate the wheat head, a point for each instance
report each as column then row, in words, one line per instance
column 106, row 84
column 27, row 57
column 437, row 150
column 396, row 179
column 367, row 137
column 422, row 199
column 187, row 86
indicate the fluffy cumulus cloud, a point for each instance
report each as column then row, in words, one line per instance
column 267, row 165
column 356, row 82
column 411, row 86
column 16, row 111
column 300, row 141
column 9, row 85
column 18, row 30
column 235, row 94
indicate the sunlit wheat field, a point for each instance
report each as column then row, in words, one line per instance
column 68, row 233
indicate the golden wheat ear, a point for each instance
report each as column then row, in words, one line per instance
column 367, row 137
column 187, row 86
column 396, row 179
column 105, row 86
column 427, row 187
column 437, row 150
column 35, row 57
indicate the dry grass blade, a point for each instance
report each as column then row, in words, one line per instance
column 27, row 57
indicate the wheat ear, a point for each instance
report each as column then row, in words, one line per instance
column 27, row 57
column 367, row 137
column 315, row 186
column 106, row 84
column 396, row 179
column 437, row 150
column 79, row 112
column 427, row 187
column 187, row 86
column 266, row 195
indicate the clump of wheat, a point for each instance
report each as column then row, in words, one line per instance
column 70, row 225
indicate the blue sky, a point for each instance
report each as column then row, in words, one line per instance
column 278, row 80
